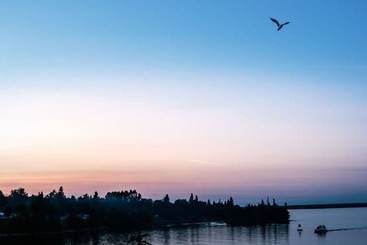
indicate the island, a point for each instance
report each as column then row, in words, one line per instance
column 123, row 211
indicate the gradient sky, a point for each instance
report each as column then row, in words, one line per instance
column 185, row 96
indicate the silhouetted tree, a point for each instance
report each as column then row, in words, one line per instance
column 166, row 198
column 2, row 200
column 52, row 195
column 95, row 196
column 191, row 199
column 18, row 194
column 60, row 194
column 274, row 203
column 123, row 210
column 230, row 202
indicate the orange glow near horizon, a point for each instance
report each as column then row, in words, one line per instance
column 184, row 96
column 88, row 140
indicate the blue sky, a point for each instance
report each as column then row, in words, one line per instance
column 324, row 38
column 209, row 76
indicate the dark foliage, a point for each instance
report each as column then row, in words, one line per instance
column 122, row 211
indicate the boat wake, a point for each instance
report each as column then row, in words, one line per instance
column 348, row 229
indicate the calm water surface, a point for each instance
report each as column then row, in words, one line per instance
column 353, row 220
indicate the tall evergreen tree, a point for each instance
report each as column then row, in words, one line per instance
column 166, row 198
column 191, row 199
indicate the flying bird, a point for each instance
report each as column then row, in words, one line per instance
column 280, row 26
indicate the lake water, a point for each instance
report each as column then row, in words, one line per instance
column 353, row 220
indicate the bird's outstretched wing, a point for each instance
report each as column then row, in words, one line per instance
column 286, row 23
column 275, row 21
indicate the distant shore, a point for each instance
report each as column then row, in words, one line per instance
column 123, row 211
column 329, row 205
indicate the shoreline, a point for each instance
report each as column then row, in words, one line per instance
column 328, row 205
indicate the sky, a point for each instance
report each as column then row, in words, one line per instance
column 185, row 96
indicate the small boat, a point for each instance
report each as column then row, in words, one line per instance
column 321, row 229
column 299, row 228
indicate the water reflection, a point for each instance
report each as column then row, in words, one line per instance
column 205, row 234
column 191, row 234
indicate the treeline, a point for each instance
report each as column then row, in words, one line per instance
column 122, row 211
